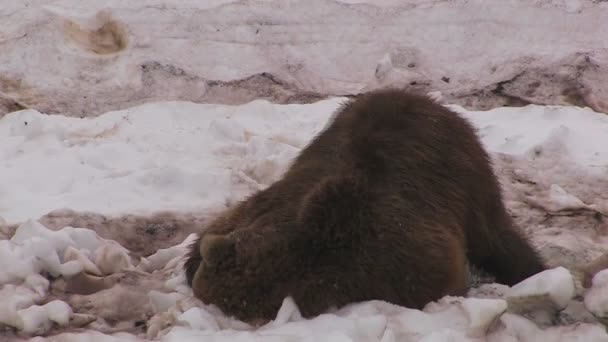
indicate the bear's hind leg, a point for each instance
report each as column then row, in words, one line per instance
column 507, row 254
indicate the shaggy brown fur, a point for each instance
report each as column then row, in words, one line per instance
column 387, row 203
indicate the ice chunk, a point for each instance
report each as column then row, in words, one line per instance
column 112, row 258
column 163, row 301
column 33, row 320
column 198, row 318
column 481, row 313
column 71, row 268
column 37, row 283
column 59, row 312
column 288, row 311
column 561, row 200
column 72, row 253
column 470, row 316
column 596, row 299
column 33, row 228
column 37, row 319
column 549, row 290
column 160, row 259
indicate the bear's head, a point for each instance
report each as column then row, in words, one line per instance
column 250, row 270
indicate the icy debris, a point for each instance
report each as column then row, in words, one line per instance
column 471, row 316
column 80, row 320
column 39, row 319
column 451, row 319
column 163, row 301
column 34, row 248
column 178, row 284
column 288, row 311
column 435, row 95
column 592, row 268
column 59, row 312
column 445, row 335
column 549, row 291
column 14, row 298
column 596, row 299
column 112, row 258
column 159, row 322
column 71, row 268
column 88, row 336
column 559, row 199
column 388, row 336
column 161, row 258
column 33, row 320
column 37, row 283
column 166, row 258
column 520, row 329
column 72, row 253
column 198, row 318
column 481, row 313
column 576, row 312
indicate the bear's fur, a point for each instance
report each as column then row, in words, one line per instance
column 387, row 203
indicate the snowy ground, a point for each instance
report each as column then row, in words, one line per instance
column 86, row 57
column 135, row 184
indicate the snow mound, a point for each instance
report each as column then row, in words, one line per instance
column 116, row 54
column 120, row 157
column 110, row 163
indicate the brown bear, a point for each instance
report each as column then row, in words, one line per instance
column 387, row 203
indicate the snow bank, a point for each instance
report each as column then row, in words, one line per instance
column 115, row 54
column 184, row 156
column 169, row 156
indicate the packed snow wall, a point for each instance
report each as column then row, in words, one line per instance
column 85, row 57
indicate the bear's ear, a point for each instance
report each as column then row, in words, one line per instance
column 215, row 248
column 335, row 212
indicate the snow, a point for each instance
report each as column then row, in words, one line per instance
column 38, row 319
column 109, row 163
column 532, row 129
column 188, row 157
column 137, row 150
column 115, row 54
column 557, row 285
column 596, row 300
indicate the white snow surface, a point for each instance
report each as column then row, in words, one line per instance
column 86, row 57
column 186, row 157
